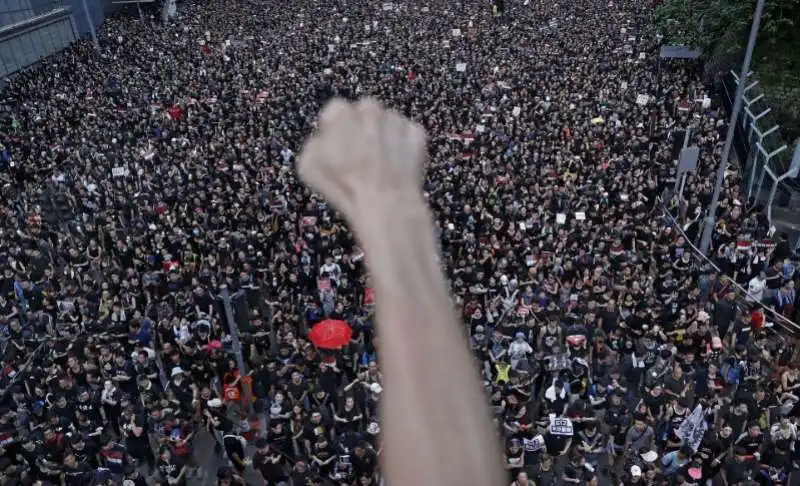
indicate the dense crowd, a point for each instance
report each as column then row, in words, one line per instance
column 144, row 179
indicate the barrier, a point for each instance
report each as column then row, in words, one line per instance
column 777, row 319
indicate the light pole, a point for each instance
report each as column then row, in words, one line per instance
column 711, row 218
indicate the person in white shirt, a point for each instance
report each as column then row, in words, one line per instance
column 518, row 350
column 755, row 288
column 331, row 268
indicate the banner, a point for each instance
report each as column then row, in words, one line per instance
column 693, row 428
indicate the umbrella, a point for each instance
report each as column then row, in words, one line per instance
column 331, row 334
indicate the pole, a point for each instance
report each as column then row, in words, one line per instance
column 227, row 303
column 678, row 175
column 91, row 25
column 710, row 219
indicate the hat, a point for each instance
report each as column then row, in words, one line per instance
column 177, row 371
column 214, row 402
column 636, row 471
column 649, row 456
column 695, row 473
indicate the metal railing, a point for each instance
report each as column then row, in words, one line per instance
column 780, row 322
column 759, row 144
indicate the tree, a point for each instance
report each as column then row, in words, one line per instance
column 722, row 27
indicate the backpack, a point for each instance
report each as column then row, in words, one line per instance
column 732, row 371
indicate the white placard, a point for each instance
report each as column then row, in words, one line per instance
column 331, row 47
column 327, row 71
column 480, row 128
column 706, row 103
column 456, row 32
column 426, row 9
column 516, row 111
column 580, row 216
column 118, row 172
column 561, row 218
column 624, row 85
column 461, row 67
column 445, row 43
column 623, row 197
column 642, row 56
column 642, row 99
column 623, row 31
column 561, row 426
column 388, row 6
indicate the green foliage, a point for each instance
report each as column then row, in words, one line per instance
column 722, row 27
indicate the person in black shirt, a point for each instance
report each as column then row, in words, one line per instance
column 364, row 460
column 234, row 449
column 84, row 450
column 133, row 475
column 269, row 463
column 76, row 473
column 171, row 467
column 739, row 469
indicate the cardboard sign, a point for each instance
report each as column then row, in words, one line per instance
column 580, row 216
column 461, row 67
column 561, row 218
column 642, row 99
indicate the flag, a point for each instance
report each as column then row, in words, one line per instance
column 693, row 428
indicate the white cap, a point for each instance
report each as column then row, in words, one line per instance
column 636, row 471
column 177, row 371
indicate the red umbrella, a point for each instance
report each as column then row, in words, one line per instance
column 330, row 334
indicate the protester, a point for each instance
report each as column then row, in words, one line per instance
column 142, row 176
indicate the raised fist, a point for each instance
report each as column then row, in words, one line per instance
column 363, row 156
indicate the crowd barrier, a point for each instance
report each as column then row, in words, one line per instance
column 781, row 324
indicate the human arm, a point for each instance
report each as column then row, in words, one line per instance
column 367, row 162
